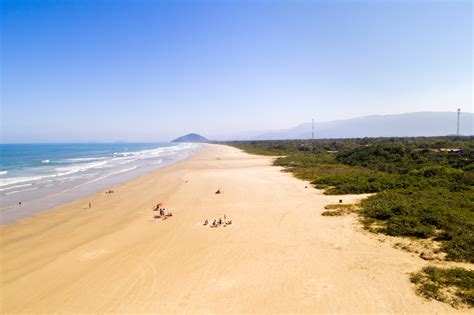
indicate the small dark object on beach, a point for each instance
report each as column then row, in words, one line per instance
column 218, row 191
column 305, row 186
column 19, row 203
column 90, row 205
column 340, row 200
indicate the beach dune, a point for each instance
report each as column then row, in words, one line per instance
column 278, row 255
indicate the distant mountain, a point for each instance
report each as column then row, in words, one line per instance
column 400, row 125
column 192, row 137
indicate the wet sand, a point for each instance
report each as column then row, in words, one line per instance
column 279, row 254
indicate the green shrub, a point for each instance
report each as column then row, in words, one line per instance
column 453, row 285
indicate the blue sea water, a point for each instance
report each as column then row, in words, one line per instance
column 41, row 176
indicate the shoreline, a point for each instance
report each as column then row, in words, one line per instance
column 278, row 255
column 10, row 214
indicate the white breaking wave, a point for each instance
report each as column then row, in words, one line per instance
column 78, row 168
column 65, row 179
column 3, row 172
column 98, row 163
column 111, row 174
column 87, row 159
column 17, row 191
column 156, row 152
column 62, row 171
column 17, row 180
column 16, row 186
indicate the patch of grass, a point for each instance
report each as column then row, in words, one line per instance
column 434, row 212
column 341, row 206
column 338, row 209
column 333, row 213
column 454, row 285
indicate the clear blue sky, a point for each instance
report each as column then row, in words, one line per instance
column 152, row 70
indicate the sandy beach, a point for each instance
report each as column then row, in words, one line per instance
column 279, row 255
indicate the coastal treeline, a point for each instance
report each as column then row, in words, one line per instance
column 423, row 187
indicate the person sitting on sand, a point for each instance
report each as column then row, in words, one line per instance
column 220, row 221
column 206, row 222
column 214, row 223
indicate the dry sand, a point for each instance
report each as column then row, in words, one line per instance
column 279, row 255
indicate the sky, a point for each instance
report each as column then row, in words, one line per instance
column 145, row 71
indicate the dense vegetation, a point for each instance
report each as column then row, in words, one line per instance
column 454, row 285
column 424, row 188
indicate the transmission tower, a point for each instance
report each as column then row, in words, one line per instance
column 459, row 115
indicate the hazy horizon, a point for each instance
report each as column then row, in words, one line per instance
column 257, row 135
column 145, row 71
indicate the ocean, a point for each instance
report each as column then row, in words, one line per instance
column 41, row 176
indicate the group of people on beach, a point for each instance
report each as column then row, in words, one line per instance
column 164, row 214
column 215, row 223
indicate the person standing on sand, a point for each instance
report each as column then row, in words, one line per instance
column 90, row 205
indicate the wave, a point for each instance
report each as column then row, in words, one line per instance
column 44, row 161
column 112, row 174
column 16, row 186
column 125, row 153
column 78, row 168
column 98, row 163
column 62, row 171
column 21, row 190
column 3, row 172
column 17, row 180
column 66, row 179
column 150, row 153
column 87, row 159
